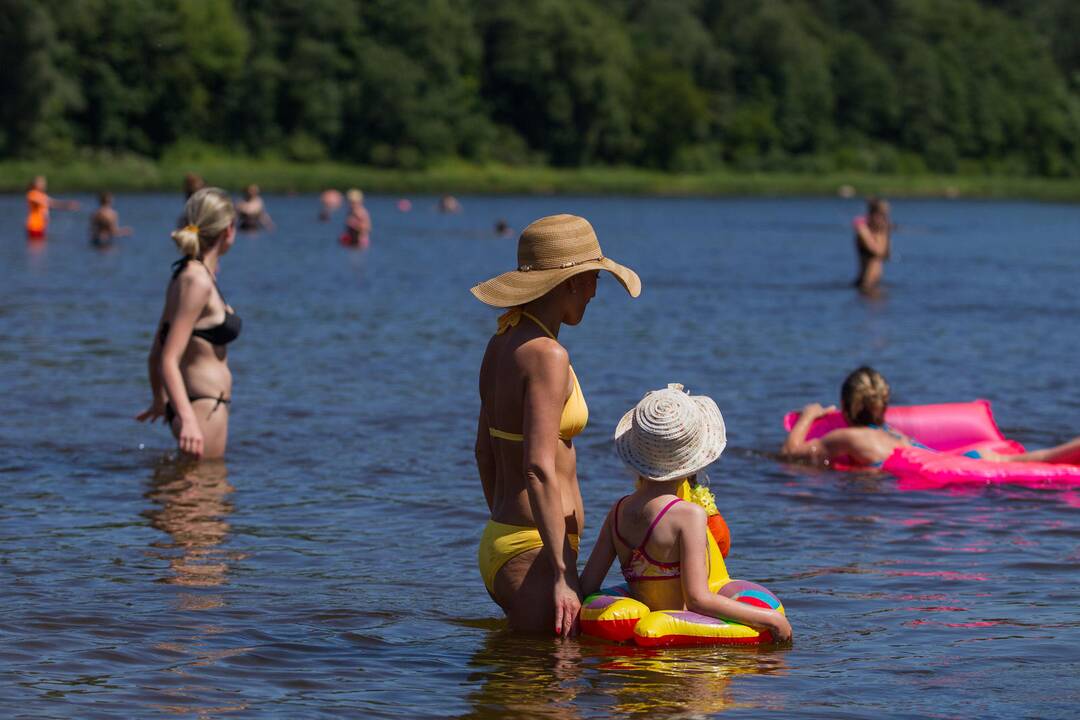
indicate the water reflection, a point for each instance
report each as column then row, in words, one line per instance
column 194, row 511
column 534, row 677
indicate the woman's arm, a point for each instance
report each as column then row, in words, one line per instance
column 869, row 241
column 797, row 447
column 193, row 293
column 57, row 204
column 485, row 459
column 695, row 580
column 603, row 554
column 158, row 397
column 547, row 377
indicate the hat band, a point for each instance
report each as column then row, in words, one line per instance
column 572, row 263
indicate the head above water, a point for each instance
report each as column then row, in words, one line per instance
column 877, row 211
column 864, row 397
column 251, row 192
column 209, row 216
column 105, row 198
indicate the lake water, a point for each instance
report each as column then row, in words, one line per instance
column 327, row 568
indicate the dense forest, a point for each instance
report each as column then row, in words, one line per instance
column 891, row 86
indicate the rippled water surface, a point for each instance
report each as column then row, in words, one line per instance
column 327, row 568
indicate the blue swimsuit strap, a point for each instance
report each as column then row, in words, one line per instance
column 886, row 428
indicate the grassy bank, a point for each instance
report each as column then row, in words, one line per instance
column 135, row 174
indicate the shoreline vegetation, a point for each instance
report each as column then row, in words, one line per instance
column 280, row 176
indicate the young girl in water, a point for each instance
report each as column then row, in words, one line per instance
column 662, row 542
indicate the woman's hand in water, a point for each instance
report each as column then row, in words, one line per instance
column 191, row 438
column 152, row 413
column 780, row 629
column 567, row 608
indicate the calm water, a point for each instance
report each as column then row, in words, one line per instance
column 328, row 567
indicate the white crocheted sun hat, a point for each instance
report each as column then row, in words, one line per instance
column 671, row 434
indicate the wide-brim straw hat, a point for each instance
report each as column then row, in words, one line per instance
column 550, row 250
column 671, row 434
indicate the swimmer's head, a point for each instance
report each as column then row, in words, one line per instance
column 251, row 191
column 208, row 219
column 877, row 209
column 192, row 182
column 864, row 397
column 355, row 196
column 105, row 198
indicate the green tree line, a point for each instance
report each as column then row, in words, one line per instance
column 891, row 86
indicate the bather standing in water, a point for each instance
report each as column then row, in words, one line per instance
column 105, row 224
column 251, row 211
column 358, row 223
column 190, row 380
column 872, row 243
column 39, row 204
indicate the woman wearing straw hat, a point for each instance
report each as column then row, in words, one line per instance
column 669, row 437
column 531, row 406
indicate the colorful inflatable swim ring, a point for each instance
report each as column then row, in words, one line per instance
column 613, row 615
column 955, row 432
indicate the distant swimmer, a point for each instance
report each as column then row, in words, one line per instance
column 449, row 204
column 329, row 202
column 404, row 205
column 358, row 223
column 39, row 204
column 872, row 243
column 503, row 229
column 251, row 211
column 105, row 223
column 192, row 184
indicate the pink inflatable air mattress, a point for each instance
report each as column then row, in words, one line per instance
column 950, row 429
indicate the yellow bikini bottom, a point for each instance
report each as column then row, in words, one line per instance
column 501, row 542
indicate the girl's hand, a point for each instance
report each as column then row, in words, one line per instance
column 191, row 438
column 152, row 413
column 780, row 629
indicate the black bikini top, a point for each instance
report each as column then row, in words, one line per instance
column 221, row 334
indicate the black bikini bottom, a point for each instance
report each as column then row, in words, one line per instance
column 170, row 411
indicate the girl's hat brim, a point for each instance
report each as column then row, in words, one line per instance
column 639, row 457
column 518, row 287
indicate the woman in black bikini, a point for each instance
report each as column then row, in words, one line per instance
column 189, row 375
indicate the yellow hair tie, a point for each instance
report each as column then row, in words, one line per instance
column 192, row 228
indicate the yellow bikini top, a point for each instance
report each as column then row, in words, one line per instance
column 575, row 413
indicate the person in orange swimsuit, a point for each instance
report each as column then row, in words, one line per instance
column 39, row 204
column 531, row 407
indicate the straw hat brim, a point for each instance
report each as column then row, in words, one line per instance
column 712, row 444
column 517, row 287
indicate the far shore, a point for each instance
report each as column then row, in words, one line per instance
column 277, row 176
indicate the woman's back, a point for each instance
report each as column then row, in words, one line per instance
column 510, row 360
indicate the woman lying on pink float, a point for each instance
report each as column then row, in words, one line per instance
column 868, row 440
